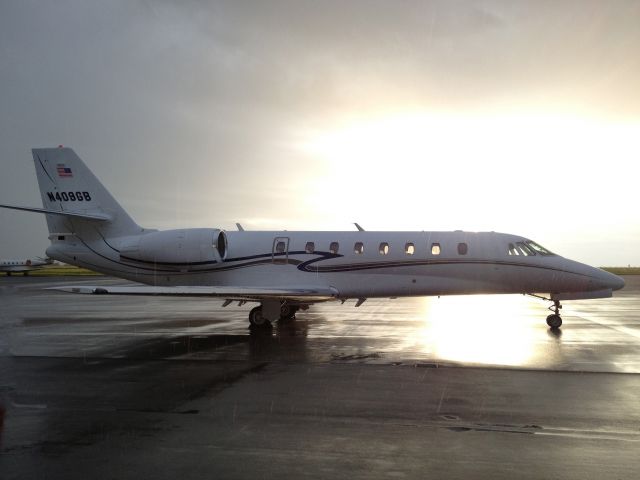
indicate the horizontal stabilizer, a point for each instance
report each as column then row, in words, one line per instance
column 313, row 294
column 99, row 217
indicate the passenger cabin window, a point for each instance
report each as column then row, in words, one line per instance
column 280, row 247
column 310, row 247
column 462, row 249
column 383, row 248
column 333, row 248
column 358, row 248
column 409, row 248
column 435, row 249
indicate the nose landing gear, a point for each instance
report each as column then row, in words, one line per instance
column 555, row 320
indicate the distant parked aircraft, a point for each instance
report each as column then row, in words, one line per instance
column 286, row 271
column 23, row 266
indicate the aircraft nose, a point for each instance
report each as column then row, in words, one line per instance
column 609, row 280
column 618, row 283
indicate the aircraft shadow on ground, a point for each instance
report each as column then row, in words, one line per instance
column 284, row 340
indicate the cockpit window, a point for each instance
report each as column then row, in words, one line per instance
column 528, row 248
column 538, row 248
column 525, row 249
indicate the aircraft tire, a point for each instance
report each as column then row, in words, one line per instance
column 256, row 319
column 554, row 321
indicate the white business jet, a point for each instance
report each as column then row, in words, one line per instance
column 23, row 266
column 286, row 271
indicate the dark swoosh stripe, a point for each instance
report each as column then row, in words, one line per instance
column 105, row 241
column 398, row 264
column 219, row 268
column 269, row 256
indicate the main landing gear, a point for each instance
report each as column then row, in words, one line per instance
column 555, row 320
column 256, row 319
column 259, row 320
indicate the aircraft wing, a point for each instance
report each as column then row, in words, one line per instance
column 298, row 294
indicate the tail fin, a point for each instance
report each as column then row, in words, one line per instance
column 67, row 186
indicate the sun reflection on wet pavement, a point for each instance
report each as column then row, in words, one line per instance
column 482, row 330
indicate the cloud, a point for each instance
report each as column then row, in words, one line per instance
column 195, row 104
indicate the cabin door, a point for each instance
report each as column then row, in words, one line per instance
column 280, row 252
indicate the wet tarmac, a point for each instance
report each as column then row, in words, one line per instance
column 451, row 387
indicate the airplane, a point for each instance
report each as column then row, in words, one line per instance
column 23, row 266
column 287, row 271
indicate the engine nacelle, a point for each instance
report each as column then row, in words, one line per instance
column 185, row 246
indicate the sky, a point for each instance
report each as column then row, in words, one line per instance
column 512, row 116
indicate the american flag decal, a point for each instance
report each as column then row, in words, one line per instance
column 64, row 171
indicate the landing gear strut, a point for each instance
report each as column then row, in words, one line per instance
column 555, row 320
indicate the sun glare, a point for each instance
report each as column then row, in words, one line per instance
column 473, row 172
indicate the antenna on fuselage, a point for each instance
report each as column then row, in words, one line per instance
column 360, row 229
column 240, row 229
